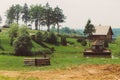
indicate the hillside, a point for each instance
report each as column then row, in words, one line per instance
column 7, row 49
column 61, row 58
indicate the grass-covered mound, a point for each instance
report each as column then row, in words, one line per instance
column 63, row 56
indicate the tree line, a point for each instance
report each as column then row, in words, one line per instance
column 40, row 15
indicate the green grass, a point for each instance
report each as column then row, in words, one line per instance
column 8, row 49
column 58, row 61
column 63, row 57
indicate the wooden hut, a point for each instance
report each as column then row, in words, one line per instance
column 102, row 33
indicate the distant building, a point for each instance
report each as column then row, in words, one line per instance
column 102, row 33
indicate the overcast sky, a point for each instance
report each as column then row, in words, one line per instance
column 104, row 12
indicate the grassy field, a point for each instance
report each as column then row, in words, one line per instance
column 63, row 57
column 58, row 61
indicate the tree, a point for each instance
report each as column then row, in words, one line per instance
column 10, row 14
column 25, row 16
column 58, row 17
column 13, row 32
column 66, row 30
column 36, row 13
column 18, row 10
column 89, row 29
column 48, row 16
column 23, row 45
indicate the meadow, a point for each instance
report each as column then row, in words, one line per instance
column 63, row 56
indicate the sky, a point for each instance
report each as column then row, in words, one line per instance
column 77, row 12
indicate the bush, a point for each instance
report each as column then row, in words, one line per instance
column 13, row 32
column 39, row 36
column 63, row 40
column 80, row 40
column 23, row 45
column 84, row 43
column 71, row 43
column 52, row 38
column 41, row 52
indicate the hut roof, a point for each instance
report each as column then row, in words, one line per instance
column 102, row 30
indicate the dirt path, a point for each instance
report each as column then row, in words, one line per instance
column 82, row 72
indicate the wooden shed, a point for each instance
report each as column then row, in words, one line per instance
column 102, row 33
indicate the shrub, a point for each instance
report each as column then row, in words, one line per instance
column 13, row 32
column 45, row 36
column 23, row 30
column 23, row 45
column 63, row 40
column 41, row 52
column 39, row 36
column 83, row 43
column 71, row 43
column 80, row 40
column 52, row 38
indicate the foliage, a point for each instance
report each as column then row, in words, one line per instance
column 23, row 45
column 18, row 9
column 63, row 57
column 23, row 30
column 10, row 14
column 13, row 32
column 117, row 41
column 40, row 15
column 63, row 40
column 84, row 43
column 48, row 16
column 41, row 52
column 58, row 17
column 80, row 39
column 52, row 38
column 66, row 30
column 25, row 16
column 89, row 28
column 36, row 14
column 39, row 36
column 13, row 13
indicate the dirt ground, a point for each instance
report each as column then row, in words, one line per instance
column 82, row 72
